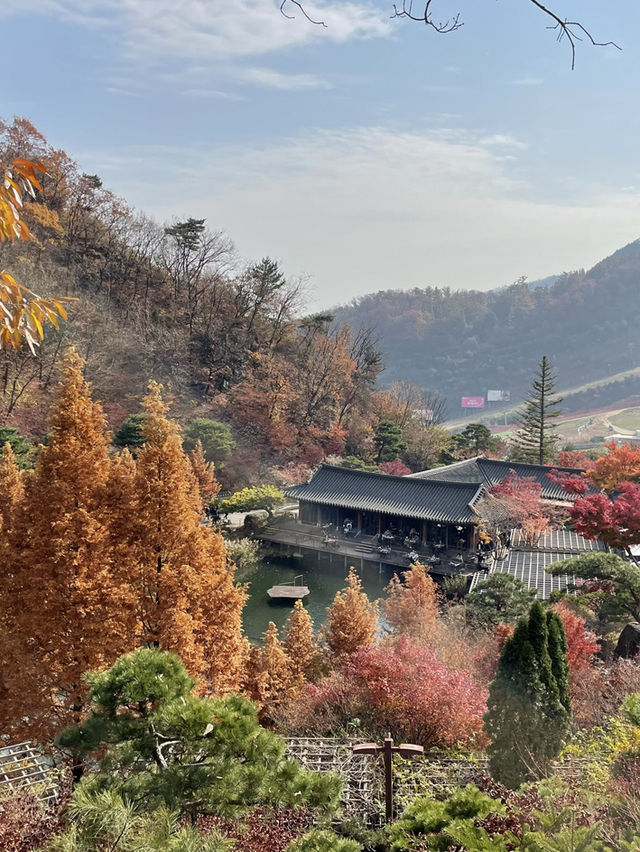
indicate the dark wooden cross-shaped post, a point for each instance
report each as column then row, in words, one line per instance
column 387, row 749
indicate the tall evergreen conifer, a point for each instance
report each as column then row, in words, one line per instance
column 528, row 712
column 536, row 439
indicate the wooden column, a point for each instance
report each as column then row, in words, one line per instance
column 424, row 532
column 359, row 521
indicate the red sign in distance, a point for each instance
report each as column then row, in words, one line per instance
column 472, row 402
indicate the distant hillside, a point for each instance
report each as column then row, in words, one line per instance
column 462, row 343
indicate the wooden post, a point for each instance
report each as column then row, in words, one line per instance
column 424, row 532
column 388, row 778
column 359, row 520
column 387, row 750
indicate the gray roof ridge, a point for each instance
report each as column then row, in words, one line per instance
column 457, row 464
column 549, row 467
column 380, row 475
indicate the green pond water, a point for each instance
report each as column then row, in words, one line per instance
column 323, row 580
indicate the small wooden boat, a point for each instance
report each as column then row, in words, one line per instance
column 289, row 591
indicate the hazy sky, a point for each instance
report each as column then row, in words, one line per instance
column 369, row 154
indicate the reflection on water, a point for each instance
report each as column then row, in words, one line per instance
column 323, row 580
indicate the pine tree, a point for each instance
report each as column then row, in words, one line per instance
column 300, row 644
column 271, row 675
column 160, row 745
column 62, row 599
column 189, row 603
column 536, row 439
column 528, row 712
column 411, row 606
column 352, row 620
column 204, row 472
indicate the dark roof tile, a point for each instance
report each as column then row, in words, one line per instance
column 444, row 502
column 491, row 472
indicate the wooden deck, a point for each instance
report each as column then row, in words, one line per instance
column 300, row 539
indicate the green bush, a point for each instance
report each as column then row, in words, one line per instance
column 216, row 439
column 22, row 449
column 256, row 497
column 323, row 841
column 130, row 433
column 245, row 554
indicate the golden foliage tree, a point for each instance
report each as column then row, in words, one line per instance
column 204, row 472
column 411, row 606
column 300, row 644
column 352, row 620
column 11, row 487
column 189, row 603
column 64, row 601
column 23, row 312
column 271, row 676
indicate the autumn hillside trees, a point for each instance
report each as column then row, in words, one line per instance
column 66, row 605
column 107, row 553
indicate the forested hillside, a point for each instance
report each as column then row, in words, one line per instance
column 461, row 343
column 173, row 302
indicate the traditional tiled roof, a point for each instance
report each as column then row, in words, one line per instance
column 559, row 541
column 528, row 562
column 426, row 499
column 489, row 472
column 529, row 566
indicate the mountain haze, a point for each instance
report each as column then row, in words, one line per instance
column 464, row 342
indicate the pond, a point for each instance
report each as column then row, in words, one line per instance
column 322, row 579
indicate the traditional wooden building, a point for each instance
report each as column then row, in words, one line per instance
column 425, row 509
column 490, row 472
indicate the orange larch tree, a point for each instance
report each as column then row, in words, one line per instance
column 188, row 601
column 352, row 620
column 300, row 644
column 11, row 487
column 204, row 472
column 411, row 606
column 270, row 676
column 62, row 597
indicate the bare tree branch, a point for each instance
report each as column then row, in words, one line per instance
column 301, row 9
column 572, row 31
column 406, row 11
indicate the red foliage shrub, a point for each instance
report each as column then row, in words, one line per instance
column 600, row 690
column 26, row 824
column 582, row 643
column 487, row 652
column 263, row 830
column 394, row 468
column 574, row 458
column 403, row 688
column 335, row 441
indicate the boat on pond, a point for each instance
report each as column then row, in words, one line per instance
column 292, row 591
